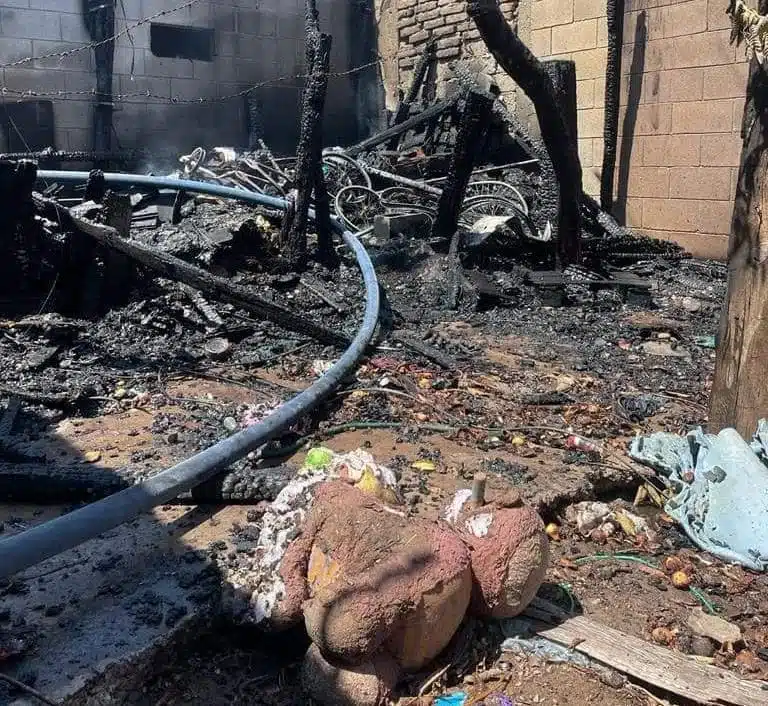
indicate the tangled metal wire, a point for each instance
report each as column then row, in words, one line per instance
column 350, row 183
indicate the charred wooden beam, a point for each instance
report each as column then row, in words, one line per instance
column 176, row 269
column 416, row 121
column 527, row 71
column 325, row 250
column 562, row 73
column 309, row 149
column 428, row 55
column 615, row 10
column 469, row 141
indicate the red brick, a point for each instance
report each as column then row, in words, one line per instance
column 671, row 150
column 706, row 116
column 700, row 183
column 720, row 150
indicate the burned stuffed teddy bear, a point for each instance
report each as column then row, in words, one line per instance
column 382, row 594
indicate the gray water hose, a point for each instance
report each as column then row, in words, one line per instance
column 55, row 536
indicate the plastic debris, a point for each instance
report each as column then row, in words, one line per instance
column 424, row 466
column 706, row 341
column 521, row 640
column 457, row 698
column 579, row 443
column 721, row 489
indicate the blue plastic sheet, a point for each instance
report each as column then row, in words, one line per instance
column 721, row 489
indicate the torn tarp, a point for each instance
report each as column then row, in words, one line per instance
column 721, row 486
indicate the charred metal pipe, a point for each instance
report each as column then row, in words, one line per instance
column 51, row 538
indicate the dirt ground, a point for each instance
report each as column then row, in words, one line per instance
column 526, row 377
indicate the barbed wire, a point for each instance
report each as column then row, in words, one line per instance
column 170, row 100
column 93, row 45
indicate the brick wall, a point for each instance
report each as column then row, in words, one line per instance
column 682, row 97
column 457, row 38
column 256, row 40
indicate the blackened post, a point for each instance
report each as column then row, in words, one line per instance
column 475, row 120
column 428, row 56
column 310, row 137
column 615, row 10
column 527, row 71
column 325, row 250
column 562, row 73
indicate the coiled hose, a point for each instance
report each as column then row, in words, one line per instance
column 51, row 538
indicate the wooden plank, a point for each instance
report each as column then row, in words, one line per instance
column 655, row 665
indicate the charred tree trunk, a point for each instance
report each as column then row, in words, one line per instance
column 527, row 71
column 739, row 393
column 309, row 152
column 428, row 56
column 471, row 135
column 615, row 10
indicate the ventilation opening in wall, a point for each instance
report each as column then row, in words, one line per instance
column 179, row 42
column 28, row 126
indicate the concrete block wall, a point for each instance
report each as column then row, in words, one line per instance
column 255, row 41
column 682, row 97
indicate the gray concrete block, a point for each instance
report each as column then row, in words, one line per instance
column 78, row 61
column 73, row 28
column 12, row 49
column 258, row 22
column 37, row 80
column 155, row 86
column 73, row 114
column 136, row 37
column 16, row 3
column 184, row 89
column 74, row 6
column 168, row 68
column 111, row 604
column 78, row 81
column 224, row 19
column 30, row 24
column 129, row 60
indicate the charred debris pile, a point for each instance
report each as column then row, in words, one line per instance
column 453, row 193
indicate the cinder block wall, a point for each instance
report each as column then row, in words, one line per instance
column 682, row 98
column 255, row 40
